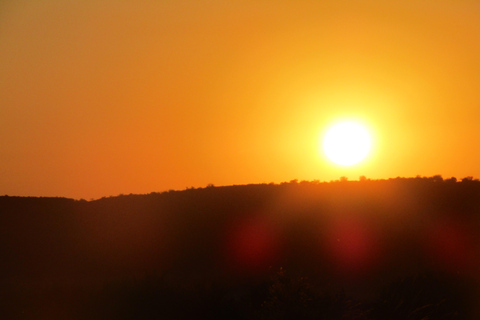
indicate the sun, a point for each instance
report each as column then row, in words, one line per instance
column 347, row 143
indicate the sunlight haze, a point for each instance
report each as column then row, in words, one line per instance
column 99, row 98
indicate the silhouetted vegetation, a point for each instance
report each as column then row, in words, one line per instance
column 402, row 248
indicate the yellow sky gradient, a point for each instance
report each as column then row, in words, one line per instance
column 99, row 98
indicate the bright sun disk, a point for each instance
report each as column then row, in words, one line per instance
column 347, row 143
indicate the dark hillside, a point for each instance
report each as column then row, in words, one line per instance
column 237, row 251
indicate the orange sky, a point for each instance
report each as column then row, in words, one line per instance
column 99, row 98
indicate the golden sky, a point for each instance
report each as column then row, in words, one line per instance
column 101, row 97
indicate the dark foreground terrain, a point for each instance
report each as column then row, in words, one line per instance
column 404, row 248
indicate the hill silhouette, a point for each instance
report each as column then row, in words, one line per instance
column 402, row 248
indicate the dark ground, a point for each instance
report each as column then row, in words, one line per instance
column 387, row 249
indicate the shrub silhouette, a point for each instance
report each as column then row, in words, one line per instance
column 424, row 297
column 297, row 298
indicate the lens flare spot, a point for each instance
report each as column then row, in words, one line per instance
column 252, row 245
column 352, row 247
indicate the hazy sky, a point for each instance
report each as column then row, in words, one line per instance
column 100, row 97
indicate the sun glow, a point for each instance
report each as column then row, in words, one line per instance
column 347, row 143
